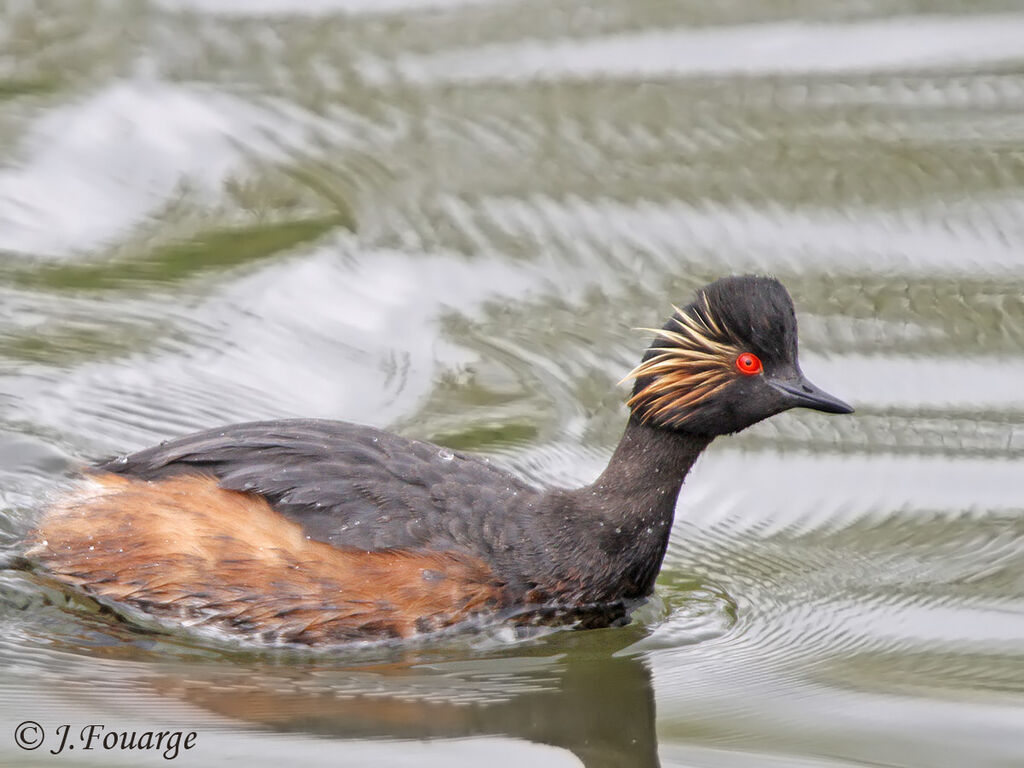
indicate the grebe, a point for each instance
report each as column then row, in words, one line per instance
column 318, row 532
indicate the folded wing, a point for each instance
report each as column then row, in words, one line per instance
column 349, row 485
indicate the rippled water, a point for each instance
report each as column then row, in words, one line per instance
column 445, row 218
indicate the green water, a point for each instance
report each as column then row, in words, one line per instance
column 447, row 219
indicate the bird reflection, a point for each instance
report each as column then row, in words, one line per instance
column 575, row 693
column 584, row 691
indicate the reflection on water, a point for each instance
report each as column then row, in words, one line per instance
column 445, row 217
column 562, row 702
column 587, row 693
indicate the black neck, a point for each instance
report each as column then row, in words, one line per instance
column 633, row 503
column 648, row 462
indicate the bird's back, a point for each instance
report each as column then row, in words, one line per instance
column 351, row 486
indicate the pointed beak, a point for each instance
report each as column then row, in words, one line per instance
column 800, row 393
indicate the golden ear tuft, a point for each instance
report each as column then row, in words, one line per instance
column 690, row 365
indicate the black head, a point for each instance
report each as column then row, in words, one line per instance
column 726, row 361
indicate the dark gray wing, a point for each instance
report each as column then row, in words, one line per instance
column 352, row 486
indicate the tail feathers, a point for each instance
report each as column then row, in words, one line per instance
column 12, row 561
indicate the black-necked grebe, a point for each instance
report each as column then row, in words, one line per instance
column 316, row 532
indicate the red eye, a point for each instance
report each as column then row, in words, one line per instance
column 749, row 363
